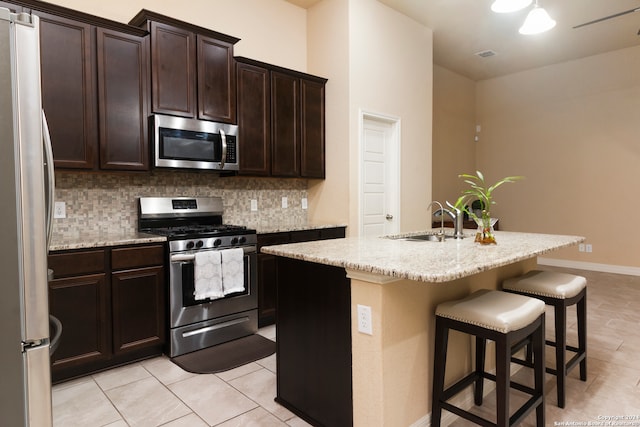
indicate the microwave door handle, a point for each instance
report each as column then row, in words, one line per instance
column 223, row 138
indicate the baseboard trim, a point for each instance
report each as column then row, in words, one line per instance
column 591, row 266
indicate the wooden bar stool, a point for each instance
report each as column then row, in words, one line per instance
column 559, row 290
column 508, row 320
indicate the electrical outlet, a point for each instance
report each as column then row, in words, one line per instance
column 581, row 247
column 59, row 210
column 364, row 319
column 285, row 203
column 304, row 203
column 588, row 247
column 254, row 205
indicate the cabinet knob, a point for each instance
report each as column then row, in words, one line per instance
column 389, row 217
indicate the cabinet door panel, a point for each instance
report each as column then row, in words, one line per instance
column 138, row 309
column 123, row 73
column 285, row 110
column 216, row 80
column 267, row 285
column 80, row 303
column 312, row 160
column 69, row 90
column 173, row 56
column 254, row 117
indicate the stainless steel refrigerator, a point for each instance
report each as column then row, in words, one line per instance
column 26, row 184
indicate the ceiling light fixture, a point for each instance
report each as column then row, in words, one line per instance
column 538, row 21
column 507, row 6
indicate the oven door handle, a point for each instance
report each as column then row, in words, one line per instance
column 190, row 257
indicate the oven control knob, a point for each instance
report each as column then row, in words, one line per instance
column 234, row 241
column 243, row 239
column 217, row 243
column 190, row 245
column 199, row 244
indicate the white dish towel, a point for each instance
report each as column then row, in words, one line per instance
column 232, row 270
column 208, row 275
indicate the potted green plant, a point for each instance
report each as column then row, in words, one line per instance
column 482, row 193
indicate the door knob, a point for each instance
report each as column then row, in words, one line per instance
column 389, row 217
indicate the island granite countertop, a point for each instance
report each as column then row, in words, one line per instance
column 424, row 261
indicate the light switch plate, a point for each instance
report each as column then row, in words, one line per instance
column 254, row 205
column 305, row 204
column 285, row 203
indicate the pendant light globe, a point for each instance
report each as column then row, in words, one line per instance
column 538, row 21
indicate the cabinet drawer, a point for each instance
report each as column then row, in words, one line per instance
column 77, row 263
column 305, row 236
column 273, row 239
column 134, row 257
column 332, row 233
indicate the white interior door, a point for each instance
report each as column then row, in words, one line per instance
column 379, row 196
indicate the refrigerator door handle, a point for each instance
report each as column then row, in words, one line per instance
column 51, row 178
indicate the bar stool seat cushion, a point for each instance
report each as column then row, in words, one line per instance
column 547, row 284
column 494, row 310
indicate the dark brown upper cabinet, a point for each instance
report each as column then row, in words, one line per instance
column 95, row 77
column 285, row 125
column 173, row 65
column 216, row 80
column 69, row 96
column 123, row 80
column 254, row 119
column 192, row 69
column 281, row 116
column 312, row 119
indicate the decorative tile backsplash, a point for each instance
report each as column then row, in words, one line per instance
column 110, row 201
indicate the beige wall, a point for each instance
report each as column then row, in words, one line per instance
column 454, row 123
column 329, row 57
column 387, row 70
column 573, row 130
column 272, row 31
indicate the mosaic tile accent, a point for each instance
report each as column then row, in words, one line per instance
column 107, row 202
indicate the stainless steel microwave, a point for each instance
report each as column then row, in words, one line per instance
column 194, row 144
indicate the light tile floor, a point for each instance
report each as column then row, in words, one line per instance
column 156, row 392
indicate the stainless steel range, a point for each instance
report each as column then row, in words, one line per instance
column 203, row 310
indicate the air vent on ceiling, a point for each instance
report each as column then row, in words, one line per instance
column 486, row 53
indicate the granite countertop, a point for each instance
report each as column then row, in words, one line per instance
column 424, row 261
column 276, row 228
column 93, row 239
column 103, row 238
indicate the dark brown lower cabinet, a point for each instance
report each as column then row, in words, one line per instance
column 138, row 307
column 81, row 305
column 111, row 303
column 314, row 342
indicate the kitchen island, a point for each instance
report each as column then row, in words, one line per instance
column 328, row 372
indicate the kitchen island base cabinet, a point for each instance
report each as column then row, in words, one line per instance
column 267, row 272
column 325, row 366
column 313, row 348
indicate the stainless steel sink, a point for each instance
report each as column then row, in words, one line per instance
column 430, row 237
